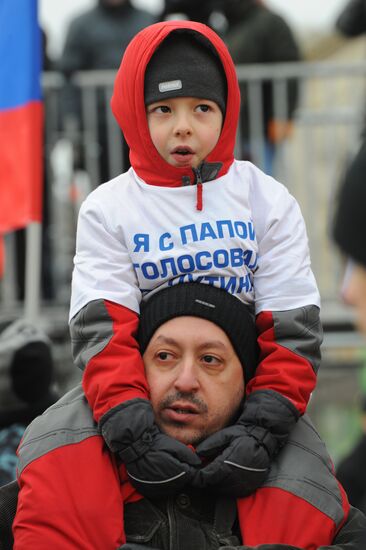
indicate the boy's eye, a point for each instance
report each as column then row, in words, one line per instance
column 162, row 109
column 204, row 108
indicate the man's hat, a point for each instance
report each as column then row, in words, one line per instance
column 26, row 372
column 185, row 65
column 207, row 302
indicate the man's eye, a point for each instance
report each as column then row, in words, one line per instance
column 211, row 360
column 164, row 355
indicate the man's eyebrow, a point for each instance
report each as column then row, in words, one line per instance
column 208, row 344
column 213, row 344
column 166, row 340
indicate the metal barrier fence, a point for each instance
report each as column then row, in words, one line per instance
column 325, row 134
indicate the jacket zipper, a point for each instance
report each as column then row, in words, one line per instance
column 199, row 184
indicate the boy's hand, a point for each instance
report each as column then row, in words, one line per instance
column 157, row 464
column 241, row 454
column 241, row 464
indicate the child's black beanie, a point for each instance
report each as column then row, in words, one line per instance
column 185, row 65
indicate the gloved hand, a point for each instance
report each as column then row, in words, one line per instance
column 157, row 464
column 241, row 454
column 241, row 464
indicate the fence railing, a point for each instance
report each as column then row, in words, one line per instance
column 326, row 129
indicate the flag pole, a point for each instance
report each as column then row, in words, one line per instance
column 33, row 262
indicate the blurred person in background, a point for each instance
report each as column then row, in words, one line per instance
column 255, row 35
column 351, row 21
column 190, row 9
column 96, row 40
column 351, row 470
column 350, row 234
column 349, row 231
column 26, row 376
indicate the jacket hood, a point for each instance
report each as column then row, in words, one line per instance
column 129, row 108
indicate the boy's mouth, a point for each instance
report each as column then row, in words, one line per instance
column 182, row 150
column 182, row 155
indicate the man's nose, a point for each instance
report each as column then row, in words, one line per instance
column 187, row 376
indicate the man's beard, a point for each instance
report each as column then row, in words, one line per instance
column 202, row 408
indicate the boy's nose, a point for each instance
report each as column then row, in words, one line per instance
column 182, row 127
column 186, row 380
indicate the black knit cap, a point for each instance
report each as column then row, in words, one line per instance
column 26, row 372
column 185, row 65
column 207, row 302
column 349, row 229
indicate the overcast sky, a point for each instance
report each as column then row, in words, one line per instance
column 301, row 14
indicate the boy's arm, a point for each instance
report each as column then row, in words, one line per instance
column 289, row 337
column 103, row 326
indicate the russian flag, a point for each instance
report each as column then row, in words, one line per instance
column 21, row 115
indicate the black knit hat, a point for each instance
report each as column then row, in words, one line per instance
column 185, row 65
column 26, row 372
column 207, row 302
column 350, row 221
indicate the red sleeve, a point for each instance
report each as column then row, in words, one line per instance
column 70, row 498
column 116, row 373
column 273, row 515
column 281, row 369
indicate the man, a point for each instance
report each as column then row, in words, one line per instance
column 351, row 469
column 199, row 348
column 349, row 233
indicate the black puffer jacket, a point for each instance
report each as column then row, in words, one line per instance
column 257, row 35
column 97, row 38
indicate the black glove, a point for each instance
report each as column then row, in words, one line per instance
column 242, row 453
column 157, row 464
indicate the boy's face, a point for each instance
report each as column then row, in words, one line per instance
column 184, row 130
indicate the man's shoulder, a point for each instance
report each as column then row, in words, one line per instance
column 66, row 422
column 304, row 468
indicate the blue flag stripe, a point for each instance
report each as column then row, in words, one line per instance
column 20, row 53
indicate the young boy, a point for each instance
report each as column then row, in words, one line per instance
column 187, row 211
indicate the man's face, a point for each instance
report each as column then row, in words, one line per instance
column 354, row 293
column 195, row 377
column 184, row 130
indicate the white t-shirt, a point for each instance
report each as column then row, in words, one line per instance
column 250, row 239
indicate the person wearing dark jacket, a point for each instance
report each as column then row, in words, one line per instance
column 351, row 470
column 95, row 40
column 349, row 230
column 257, row 35
column 352, row 19
column 26, row 377
column 199, row 348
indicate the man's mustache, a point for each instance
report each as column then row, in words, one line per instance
column 181, row 396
